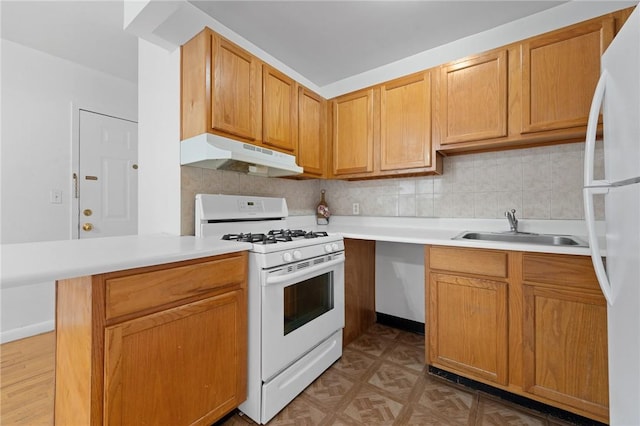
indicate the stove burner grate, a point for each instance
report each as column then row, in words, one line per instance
column 274, row 236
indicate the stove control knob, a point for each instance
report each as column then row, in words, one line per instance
column 328, row 248
column 334, row 246
column 286, row 257
column 297, row 255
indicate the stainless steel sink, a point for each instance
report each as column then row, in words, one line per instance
column 523, row 238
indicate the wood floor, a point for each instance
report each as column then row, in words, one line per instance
column 27, row 381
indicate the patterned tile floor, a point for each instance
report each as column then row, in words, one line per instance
column 381, row 379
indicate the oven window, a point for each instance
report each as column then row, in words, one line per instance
column 307, row 300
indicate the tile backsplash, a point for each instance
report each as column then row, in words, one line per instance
column 302, row 195
column 540, row 183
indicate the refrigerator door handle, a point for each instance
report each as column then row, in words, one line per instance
column 592, row 127
column 594, row 246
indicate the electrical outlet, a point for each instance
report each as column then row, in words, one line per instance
column 55, row 196
column 356, row 208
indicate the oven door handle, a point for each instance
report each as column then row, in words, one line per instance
column 295, row 276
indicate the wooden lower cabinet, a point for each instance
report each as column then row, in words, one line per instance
column 180, row 363
column 359, row 288
column 565, row 333
column 472, row 337
column 533, row 324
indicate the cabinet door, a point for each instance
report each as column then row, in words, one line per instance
column 182, row 366
column 279, row 110
column 353, row 133
column 236, row 96
column 312, row 111
column 468, row 326
column 565, row 348
column 473, row 98
column 405, row 123
column 560, row 71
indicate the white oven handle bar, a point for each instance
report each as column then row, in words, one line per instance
column 295, row 277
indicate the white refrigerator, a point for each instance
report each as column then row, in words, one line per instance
column 618, row 97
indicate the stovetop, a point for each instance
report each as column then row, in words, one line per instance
column 275, row 236
column 217, row 214
column 286, row 245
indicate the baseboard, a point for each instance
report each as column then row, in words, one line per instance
column 516, row 399
column 401, row 323
column 28, row 331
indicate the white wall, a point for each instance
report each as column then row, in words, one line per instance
column 400, row 280
column 158, row 139
column 38, row 91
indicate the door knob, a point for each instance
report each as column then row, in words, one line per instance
column 87, row 212
column 87, row 227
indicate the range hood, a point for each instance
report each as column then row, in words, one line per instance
column 217, row 152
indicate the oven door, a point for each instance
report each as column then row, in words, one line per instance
column 302, row 305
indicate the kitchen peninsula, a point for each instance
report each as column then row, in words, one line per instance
column 158, row 304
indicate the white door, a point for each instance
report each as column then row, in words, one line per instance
column 108, row 176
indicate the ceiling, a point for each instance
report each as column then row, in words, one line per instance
column 327, row 41
column 324, row 41
column 86, row 32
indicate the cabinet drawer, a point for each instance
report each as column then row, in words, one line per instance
column 470, row 261
column 560, row 270
column 133, row 293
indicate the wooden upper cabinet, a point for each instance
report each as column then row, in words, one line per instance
column 353, row 133
column 560, row 71
column 236, row 91
column 473, row 98
column 312, row 125
column 221, row 89
column 279, row 110
column 405, row 123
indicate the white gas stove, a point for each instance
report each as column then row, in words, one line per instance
column 295, row 296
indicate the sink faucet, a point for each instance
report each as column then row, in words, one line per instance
column 513, row 222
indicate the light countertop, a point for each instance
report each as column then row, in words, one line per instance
column 441, row 231
column 30, row 263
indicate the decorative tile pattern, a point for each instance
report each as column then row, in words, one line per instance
column 371, row 344
column 448, row 401
column 353, row 364
column 371, row 408
column 540, row 183
column 378, row 330
column 411, row 357
column 420, row 416
column 493, row 413
column 298, row 413
column 329, row 388
column 411, row 339
column 395, row 380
